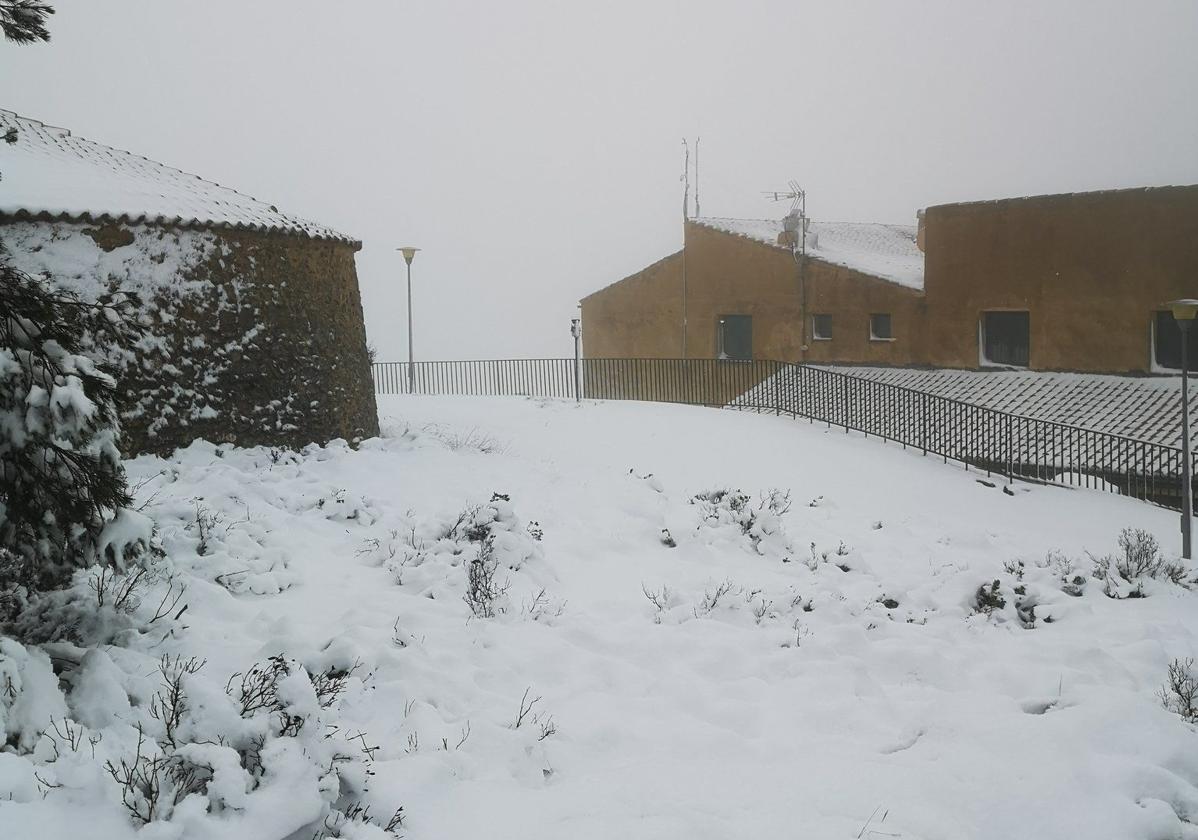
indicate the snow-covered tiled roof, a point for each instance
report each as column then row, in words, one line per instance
column 1145, row 408
column 885, row 251
column 48, row 172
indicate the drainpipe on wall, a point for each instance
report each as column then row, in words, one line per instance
column 684, row 288
column 801, row 257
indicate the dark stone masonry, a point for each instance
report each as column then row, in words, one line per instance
column 252, row 338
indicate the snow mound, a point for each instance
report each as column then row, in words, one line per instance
column 713, row 625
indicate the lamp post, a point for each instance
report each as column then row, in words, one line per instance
column 409, row 253
column 576, row 331
column 1183, row 313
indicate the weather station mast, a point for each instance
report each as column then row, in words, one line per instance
column 794, row 226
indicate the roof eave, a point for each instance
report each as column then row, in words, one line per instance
column 175, row 222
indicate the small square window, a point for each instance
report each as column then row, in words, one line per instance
column 879, row 327
column 821, row 327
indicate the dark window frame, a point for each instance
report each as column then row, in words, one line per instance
column 816, row 334
column 1162, row 355
column 741, row 343
column 1005, row 352
column 873, row 335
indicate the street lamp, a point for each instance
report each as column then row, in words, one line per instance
column 409, row 254
column 1183, row 313
column 576, row 331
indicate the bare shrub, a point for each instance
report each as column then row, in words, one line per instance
column 258, row 690
column 153, row 783
column 169, row 703
column 354, row 813
column 470, row 439
column 1140, row 559
column 1141, row 555
column 206, row 524
column 330, row 684
column 482, row 587
column 776, row 501
column 711, row 598
column 545, row 724
column 1179, row 694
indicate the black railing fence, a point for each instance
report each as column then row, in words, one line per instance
column 994, row 441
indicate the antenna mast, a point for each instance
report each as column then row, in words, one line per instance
column 795, row 224
column 697, row 213
column 686, row 180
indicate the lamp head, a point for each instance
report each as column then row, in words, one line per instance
column 409, row 254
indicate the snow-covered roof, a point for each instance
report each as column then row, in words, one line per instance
column 885, row 251
column 1145, row 408
column 50, row 173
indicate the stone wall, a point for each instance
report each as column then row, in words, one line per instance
column 251, row 338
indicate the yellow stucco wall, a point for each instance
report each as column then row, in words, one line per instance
column 726, row 274
column 1091, row 269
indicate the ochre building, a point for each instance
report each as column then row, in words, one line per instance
column 1061, row 282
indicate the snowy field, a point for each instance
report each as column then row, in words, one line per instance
column 817, row 671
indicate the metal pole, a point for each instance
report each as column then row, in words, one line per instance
column 411, row 359
column 576, row 331
column 1187, row 470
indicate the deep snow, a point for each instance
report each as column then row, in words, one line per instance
column 804, row 703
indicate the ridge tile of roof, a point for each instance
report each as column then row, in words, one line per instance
column 50, row 173
column 885, row 251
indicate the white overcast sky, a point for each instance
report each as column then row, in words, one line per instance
column 533, row 149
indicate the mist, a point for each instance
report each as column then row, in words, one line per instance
column 533, row 149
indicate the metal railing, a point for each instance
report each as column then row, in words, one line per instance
column 994, row 441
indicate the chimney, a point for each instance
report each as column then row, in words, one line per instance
column 919, row 243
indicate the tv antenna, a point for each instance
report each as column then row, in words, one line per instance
column 796, row 195
column 795, row 228
column 686, row 180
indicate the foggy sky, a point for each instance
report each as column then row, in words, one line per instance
column 533, row 149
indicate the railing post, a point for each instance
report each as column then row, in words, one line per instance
column 923, row 421
column 1010, row 468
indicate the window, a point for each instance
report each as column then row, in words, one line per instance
column 1005, row 338
column 821, row 327
column 879, row 327
column 734, row 337
column 1166, row 342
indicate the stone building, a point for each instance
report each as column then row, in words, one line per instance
column 253, row 319
column 1060, row 282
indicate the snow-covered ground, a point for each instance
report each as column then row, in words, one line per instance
column 816, row 672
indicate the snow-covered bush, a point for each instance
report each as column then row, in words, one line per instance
column 989, row 598
column 62, row 486
column 486, row 541
column 760, row 523
column 1179, row 694
column 1140, row 559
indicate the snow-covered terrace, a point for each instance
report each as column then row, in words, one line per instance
column 50, row 173
column 885, row 251
column 1145, row 408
